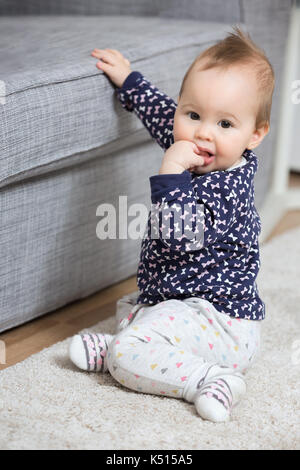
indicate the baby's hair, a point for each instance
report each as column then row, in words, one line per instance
column 238, row 48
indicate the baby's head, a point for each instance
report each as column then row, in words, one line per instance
column 224, row 104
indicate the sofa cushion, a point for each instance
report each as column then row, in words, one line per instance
column 57, row 103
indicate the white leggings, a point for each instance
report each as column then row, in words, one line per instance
column 158, row 348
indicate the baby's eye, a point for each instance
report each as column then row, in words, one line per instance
column 225, row 124
column 194, row 116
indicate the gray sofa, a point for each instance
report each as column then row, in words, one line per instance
column 67, row 145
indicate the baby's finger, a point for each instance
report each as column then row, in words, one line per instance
column 96, row 53
column 103, row 55
column 116, row 53
column 195, row 149
column 119, row 55
column 113, row 51
column 103, row 66
column 198, row 160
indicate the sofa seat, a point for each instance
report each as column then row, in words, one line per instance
column 59, row 104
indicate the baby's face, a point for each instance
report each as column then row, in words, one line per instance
column 217, row 111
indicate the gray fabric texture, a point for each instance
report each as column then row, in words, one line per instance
column 205, row 10
column 50, row 253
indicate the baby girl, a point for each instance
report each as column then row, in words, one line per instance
column 193, row 328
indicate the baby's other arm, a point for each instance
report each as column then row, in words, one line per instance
column 155, row 109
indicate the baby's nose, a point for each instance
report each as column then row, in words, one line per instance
column 203, row 132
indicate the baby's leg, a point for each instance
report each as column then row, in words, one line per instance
column 88, row 351
column 157, row 354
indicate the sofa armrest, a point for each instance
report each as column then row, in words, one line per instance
column 78, row 7
column 204, row 10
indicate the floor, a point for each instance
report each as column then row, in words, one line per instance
column 23, row 341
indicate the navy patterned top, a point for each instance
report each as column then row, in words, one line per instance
column 217, row 258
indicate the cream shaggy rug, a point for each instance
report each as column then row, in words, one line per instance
column 46, row 403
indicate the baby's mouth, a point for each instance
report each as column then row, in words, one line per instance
column 208, row 157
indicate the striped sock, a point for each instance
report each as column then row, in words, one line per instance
column 216, row 397
column 88, row 351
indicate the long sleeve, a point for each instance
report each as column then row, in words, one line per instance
column 155, row 109
column 189, row 214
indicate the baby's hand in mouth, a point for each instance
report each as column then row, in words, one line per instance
column 207, row 156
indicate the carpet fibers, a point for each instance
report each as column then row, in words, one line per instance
column 46, row 403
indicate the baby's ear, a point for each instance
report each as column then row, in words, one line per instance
column 258, row 136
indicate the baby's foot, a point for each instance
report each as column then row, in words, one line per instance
column 88, row 351
column 214, row 390
column 217, row 396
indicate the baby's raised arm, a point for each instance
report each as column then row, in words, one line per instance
column 155, row 109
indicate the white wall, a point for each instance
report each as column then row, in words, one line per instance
column 295, row 114
column 280, row 198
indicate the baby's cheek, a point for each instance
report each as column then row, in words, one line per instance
column 179, row 131
column 177, row 135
